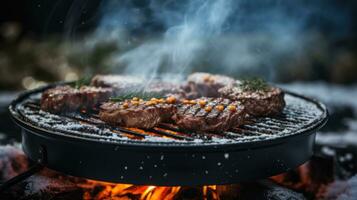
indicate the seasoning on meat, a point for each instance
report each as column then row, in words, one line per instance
column 258, row 100
column 138, row 114
column 215, row 116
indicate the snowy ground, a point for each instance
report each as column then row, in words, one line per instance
column 341, row 101
column 327, row 93
column 342, row 104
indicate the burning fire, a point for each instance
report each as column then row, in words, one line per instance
column 308, row 178
column 298, row 180
column 128, row 191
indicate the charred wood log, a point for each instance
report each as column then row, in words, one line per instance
column 267, row 190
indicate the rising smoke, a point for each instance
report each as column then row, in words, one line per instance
column 226, row 36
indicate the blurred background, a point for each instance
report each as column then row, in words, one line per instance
column 306, row 46
column 44, row 41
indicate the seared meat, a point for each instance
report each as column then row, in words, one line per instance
column 119, row 83
column 122, row 84
column 165, row 89
column 138, row 113
column 209, row 114
column 257, row 102
column 205, row 84
column 266, row 102
column 64, row 99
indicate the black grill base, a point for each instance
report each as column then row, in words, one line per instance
column 167, row 167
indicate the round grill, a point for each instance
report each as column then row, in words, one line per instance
column 82, row 145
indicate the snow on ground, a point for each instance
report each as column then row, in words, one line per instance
column 327, row 93
column 12, row 161
column 343, row 190
column 333, row 96
column 347, row 137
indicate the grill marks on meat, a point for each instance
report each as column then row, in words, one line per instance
column 257, row 103
column 219, row 102
column 138, row 114
column 217, row 114
column 206, row 85
column 62, row 99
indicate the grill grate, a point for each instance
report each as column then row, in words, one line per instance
column 298, row 115
column 166, row 155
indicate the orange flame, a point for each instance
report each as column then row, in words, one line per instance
column 102, row 190
column 128, row 191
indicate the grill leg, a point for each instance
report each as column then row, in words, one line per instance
column 38, row 166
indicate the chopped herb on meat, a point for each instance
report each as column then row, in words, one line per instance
column 254, row 84
column 85, row 81
column 140, row 95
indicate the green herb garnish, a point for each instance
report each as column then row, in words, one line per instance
column 254, row 84
column 140, row 95
column 81, row 82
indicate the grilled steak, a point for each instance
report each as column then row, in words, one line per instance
column 119, row 83
column 64, row 99
column 205, row 84
column 209, row 114
column 165, row 89
column 138, row 113
column 125, row 84
column 257, row 102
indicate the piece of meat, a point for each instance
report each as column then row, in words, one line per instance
column 165, row 89
column 123, row 84
column 267, row 102
column 190, row 91
column 209, row 114
column 119, row 83
column 63, row 99
column 206, row 85
column 138, row 113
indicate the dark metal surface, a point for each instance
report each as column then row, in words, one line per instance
column 82, row 145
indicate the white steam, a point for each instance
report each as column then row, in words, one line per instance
column 181, row 43
column 225, row 36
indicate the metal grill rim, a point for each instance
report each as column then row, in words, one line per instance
column 270, row 125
